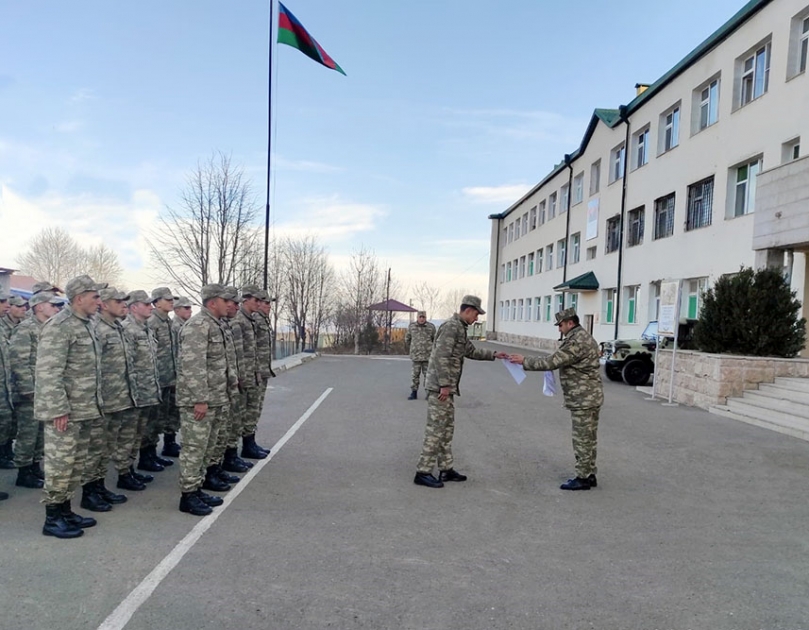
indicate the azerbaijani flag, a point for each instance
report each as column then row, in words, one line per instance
column 292, row 33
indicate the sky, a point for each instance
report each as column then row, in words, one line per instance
column 450, row 111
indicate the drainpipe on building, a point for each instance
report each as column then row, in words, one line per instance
column 567, row 223
column 496, row 275
column 625, row 120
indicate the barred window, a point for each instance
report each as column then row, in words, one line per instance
column 613, row 234
column 700, row 204
column 664, row 217
column 634, row 234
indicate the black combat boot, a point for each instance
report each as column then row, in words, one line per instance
column 92, row 500
column 108, row 495
column 27, row 479
column 209, row 500
column 36, row 468
column 225, row 476
column 170, row 446
column 592, row 479
column 140, row 477
column 250, row 449
column 192, row 504
column 56, row 525
column 7, row 456
column 147, row 462
column 213, row 482
column 160, row 460
column 3, row 496
column 428, row 480
column 233, row 463
column 451, row 475
column 77, row 520
column 413, row 395
column 576, row 483
column 127, row 482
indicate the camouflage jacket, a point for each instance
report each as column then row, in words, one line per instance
column 117, row 365
column 166, row 339
column 5, row 380
column 68, row 373
column 22, row 357
column 248, row 330
column 204, row 375
column 419, row 340
column 144, row 381
column 6, row 327
column 263, row 345
column 230, row 349
column 449, row 350
column 577, row 362
column 238, row 347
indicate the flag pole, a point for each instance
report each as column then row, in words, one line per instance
column 269, row 151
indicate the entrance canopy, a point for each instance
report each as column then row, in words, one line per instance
column 584, row 282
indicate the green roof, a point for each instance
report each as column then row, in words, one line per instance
column 584, row 282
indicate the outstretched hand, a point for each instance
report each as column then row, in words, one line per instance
column 516, row 358
column 501, row 355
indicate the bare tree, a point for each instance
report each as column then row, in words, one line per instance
column 451, row 301
column 427, row 297
column 208, row 239
column 101, row 264
column 306, row 267
column 361, row 287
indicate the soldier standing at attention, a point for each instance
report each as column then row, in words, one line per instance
column 182, row 312
column 67, row 399
column 443, row 378
column 263, row 346
column 22, row 355
column 5, row 389
column 579, row 372
column 419, row 342
column 15, row 314
column 160, row 325
column 203, row 385
column 232, row 461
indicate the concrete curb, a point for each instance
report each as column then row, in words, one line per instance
column 293, row 361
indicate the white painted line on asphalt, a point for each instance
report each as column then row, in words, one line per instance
column 123, row 613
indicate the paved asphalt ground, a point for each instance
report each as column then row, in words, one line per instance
column 699, row 522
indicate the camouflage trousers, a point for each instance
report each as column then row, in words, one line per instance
column 585, row 440
column 419, row 369
column 252, row 411
column 144, row 413
column 437, row 448
column 199, row 440
column 120, row 430
column 66, row 457
column 6, row 423
column 217, row 454
column 30, row 444
column 163, row 418
column 237, row 406
column 95, row 466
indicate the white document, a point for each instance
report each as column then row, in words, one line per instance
column 515, row 369
column 549, row 386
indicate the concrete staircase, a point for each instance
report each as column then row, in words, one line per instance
column 782, row 406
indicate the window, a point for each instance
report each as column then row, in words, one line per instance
column 531, row 264
column 654, row 301
column 578, row 188
column 551, row 206
column 505, row 236
column 513, row 310
column 537, row 309
column 744, row 193
column 790, row 150
column 514, row 265
column 510, row 232
column 634, row 228
column 664, row 217
column 632, row 304
column 502, row 310
column 528, row 309
column 613, row 234
column 548, row 308
column 517, row 229
column 617, row 163
column 549, row 254
column 560, row 302
column 706, row 105
column 525, row 224
column 565, row 201
column 591, row 253
column 561, row 253
column 798, row 44
column 754, row 70
column 502, row 274
column 522, row 267
column 539, row 261
column 533, row 221
column 519, row 311
column 575, row 248
column 595, row 177
column 640, row 142
column 508, row 272
column 669, row 130
column 803, row 46
column 700, row 204
column 573, row 301
column 542, row 212
column 693, row 290
column 608, row 306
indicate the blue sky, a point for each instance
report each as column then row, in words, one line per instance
column 450, row 110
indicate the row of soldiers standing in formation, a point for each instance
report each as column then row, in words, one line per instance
column 97, row 381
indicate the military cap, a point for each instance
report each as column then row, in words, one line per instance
column 250, row 290
column 16, row 300
column 3, row 296
column 214, row 291
column 44, row 296
column 82, row 284
column 162, row 293
column 421, row 314
column 474, row 302
column 232, row 294
column 182, row 302
column 111, row 293
column 563, row 316
column 45, row 286
column 138, row 296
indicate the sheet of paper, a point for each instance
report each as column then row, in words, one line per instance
column 549, row 386
column 515, row 369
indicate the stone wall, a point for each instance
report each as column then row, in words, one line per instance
column 702, row 380
column 523, row 341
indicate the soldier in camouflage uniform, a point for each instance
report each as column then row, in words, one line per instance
column 163, row 420
column 232, row 462
column 145, row 383
column 16, row 308
column 204, row 383
column 419, row 342
column 6, row 405
column 67, row 398
column 580, row 376
column 263, row 346
column 450, row 349
column 22, row 354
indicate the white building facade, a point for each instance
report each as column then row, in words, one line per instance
column 668, row 187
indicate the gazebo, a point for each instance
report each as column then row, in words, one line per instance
column 390, row 307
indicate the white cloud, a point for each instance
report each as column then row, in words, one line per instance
column 507, row 193
column 307, row 166
column 69, row 126
column 81, row 95
column 331, row 218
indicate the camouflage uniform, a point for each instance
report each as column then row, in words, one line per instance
column 225, row 431
column 68, row 383
column 203, row 376
column 239, row 400
column 419, row 341
column 162, row 419
column 263, row 356
column 250, row 378
column 7, row 326
column 450, row 349
column 577, row 362
column 6, row 405
column 23, row 359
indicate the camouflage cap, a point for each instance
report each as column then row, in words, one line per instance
column 182, row 302
column 45, row 286
column 3, row 296
column 232, row 294
column 82, row 284
column 474, row 302
column 421, row 314
column 111, row 293
column 563, row 316
column 163, row 293
column 214, row 291
column 44, row 296
column 16, row 300
column 138, row 296
column 250, row 290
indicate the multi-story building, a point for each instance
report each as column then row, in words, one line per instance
column 680, row 184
